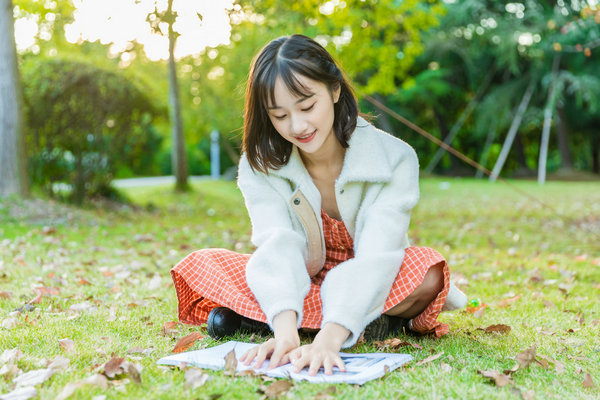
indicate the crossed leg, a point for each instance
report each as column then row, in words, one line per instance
column 416, row 302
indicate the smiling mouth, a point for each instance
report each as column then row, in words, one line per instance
column 306, row 138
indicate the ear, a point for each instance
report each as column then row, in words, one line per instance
column 335, row 94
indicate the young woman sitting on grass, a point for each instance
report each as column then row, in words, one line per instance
column 329, row 197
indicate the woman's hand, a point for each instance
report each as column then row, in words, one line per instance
column 277, row 349
column 323, row 352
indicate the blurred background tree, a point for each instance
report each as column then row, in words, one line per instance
column 13, row 178
column 83, row 123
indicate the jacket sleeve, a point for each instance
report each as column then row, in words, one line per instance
column 276, row 272
column 355, row 292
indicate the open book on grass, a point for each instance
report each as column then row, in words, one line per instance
column 360, row 368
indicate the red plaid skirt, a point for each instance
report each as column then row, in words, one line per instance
column 211, row 278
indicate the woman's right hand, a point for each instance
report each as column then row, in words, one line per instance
column 277, row 349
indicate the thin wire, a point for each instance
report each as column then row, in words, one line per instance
column 457, row 153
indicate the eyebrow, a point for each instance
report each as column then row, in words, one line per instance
column 300, row 100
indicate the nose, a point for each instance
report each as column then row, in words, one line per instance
column 298, row 124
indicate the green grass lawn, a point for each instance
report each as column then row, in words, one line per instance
column 537, row 269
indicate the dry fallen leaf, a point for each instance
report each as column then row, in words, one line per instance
column 186, row 342
column 114, row 367
column 230, row 363
column 430, row 359
column 588, row 381
column 249, row 373
column 9, row 371
column 276, row 389
column 194, row 378
column 59, row 363
column 67, row 391
column 168, row 328
column 526, row 357
column 511, row 371
column 9, row 323
column 5, row 295
column 508, row 302
column 34, row 377
column 498, row 328
column 23, row 393
column 548, row 304
column 543, row 362
column 499, row 378
column 134, row 373
column 66, row 345
column 11, row 356
column 96, row 380
column 479, row 313
column 395, row 343
column 83, row 281
column 48, row 230
column 535, row 276
column 46, row 291
column 559, row 367
column 326, row 394
column 528, row 395
column 445, row 367
column 154, row 283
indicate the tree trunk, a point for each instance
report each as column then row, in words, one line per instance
column 562, row 130
column 78, row 193
column 595, row 148
column 522, row 157
column 13, row 169
column 178, row 156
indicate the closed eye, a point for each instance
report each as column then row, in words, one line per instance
column 279, row 117
column 309, row 107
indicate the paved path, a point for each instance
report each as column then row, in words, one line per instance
column 153, row 181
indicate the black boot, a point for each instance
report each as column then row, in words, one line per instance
column 384, row 326
column 224, row 322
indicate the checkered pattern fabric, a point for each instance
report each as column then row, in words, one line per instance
column 211, row 278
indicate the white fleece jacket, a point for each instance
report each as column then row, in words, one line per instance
column 375, row 192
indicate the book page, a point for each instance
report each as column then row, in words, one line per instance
column 360, row 368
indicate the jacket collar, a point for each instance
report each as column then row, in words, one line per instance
column 365, row 160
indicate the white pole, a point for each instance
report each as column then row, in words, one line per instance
column 547, row 123
column 512, row 132
column 215, row 162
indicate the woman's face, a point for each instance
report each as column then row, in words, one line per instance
column 306, row 122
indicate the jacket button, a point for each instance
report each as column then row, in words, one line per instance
column 342, row 191
column 296, row 201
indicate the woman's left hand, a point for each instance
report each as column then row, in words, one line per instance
column 314, row 357
column 322, row 352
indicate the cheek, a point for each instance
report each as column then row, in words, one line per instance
column 279, row 126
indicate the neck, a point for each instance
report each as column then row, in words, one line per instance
column 329, row 158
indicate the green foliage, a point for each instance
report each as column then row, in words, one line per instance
column 82, row 122
column 511, row 43
column 376, row 41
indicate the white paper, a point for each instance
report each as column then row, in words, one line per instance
column 360, row 368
